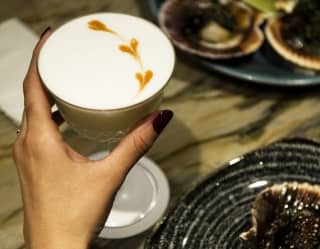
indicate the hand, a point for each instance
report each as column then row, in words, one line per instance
column 67, row 197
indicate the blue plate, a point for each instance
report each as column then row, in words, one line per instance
column 264, row 66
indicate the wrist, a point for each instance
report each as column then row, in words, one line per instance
column 44, row 235
column 58, row 242
column 56, row 245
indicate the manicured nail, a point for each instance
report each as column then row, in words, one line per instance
column 44, row 32
column 57, row 118
column 161, row 120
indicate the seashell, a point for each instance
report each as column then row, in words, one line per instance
column 285, row 5
column 212, row 29
column 296, row 37
column 285, row 216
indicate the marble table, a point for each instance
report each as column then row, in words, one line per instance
column 216, row 118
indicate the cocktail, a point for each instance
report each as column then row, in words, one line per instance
column 106, row 71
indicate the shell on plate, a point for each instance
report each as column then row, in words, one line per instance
column 213, row 29
column 285, row 216
column 286, row 6
column 296, row 36
column 291, row 53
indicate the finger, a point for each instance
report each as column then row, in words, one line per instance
column 23, row 127
column 57, row 118
column 21, row 131
column 136, row 144
column 37, row 104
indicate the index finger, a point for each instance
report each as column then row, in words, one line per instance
column 37, row 105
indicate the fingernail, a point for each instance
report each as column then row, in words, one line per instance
column 44, row 32
column 57, row 118
column 161, row 120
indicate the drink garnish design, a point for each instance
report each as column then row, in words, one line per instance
column 131, row 48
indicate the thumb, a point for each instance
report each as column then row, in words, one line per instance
column 136, row 143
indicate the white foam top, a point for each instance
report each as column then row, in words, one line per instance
column 86, row 68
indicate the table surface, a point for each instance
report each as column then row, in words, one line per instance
column 216, row 118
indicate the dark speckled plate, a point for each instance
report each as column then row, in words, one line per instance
column 264, row 66
column 217, row 211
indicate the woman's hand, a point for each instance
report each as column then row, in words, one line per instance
column 66, row 196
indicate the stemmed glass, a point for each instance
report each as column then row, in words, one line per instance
column 71, row 66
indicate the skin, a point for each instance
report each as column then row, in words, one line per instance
column 66, row 197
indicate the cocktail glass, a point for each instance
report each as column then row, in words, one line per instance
column 144, row 195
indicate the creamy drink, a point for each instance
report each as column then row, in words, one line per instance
column 106, row 71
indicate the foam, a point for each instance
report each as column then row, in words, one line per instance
column 85, row 67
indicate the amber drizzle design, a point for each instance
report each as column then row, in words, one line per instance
column 131, row 48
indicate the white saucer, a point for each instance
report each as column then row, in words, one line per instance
column 140, row 202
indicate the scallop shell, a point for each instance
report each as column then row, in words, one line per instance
column 285, row 5
column 275, row 38
column 285, row 216
column 174, row 16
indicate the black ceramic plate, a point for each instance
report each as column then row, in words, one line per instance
column 217, row 211
column 264, row 66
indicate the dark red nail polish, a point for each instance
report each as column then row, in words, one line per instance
column 44, row 32
column 161, row 120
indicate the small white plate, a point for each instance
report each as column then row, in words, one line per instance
column 140, row 202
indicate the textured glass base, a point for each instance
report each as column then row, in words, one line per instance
column 140, row 202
